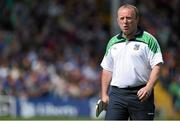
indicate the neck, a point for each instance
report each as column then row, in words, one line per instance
column 130, row 35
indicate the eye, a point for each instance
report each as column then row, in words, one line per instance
column 126, row 18
column 121, row 18
column 129, row 18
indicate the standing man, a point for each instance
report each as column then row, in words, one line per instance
column 131, row 66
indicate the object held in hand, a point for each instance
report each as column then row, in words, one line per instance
column 100, row 106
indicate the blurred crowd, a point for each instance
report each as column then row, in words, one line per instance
column 54, row 47
column 51, row 47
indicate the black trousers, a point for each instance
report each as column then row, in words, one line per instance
column 124, row 104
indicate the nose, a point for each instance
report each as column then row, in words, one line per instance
column 125, row 20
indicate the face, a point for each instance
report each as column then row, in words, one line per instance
column 127, row 21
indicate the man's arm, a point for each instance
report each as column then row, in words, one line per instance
column 154, row 76
column 105, row 82
column 144, row 92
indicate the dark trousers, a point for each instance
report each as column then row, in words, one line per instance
column 124, row 104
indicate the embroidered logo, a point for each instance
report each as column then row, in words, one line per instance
column 136, row 47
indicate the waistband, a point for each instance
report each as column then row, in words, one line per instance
column 131, row 88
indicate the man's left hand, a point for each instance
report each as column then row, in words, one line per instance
column 144, row 93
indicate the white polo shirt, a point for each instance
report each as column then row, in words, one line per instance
column 131, row 61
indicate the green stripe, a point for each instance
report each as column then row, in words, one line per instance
column 145, row 38
column 150, row 41
column 113, row 41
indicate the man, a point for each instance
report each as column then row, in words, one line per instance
column 131, row 67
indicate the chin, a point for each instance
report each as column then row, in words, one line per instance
column 126, row 32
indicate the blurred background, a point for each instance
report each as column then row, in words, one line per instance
column 51, row 50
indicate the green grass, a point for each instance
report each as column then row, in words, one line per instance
column 46, row 118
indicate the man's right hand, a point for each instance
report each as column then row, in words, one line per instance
column 105, row 99
column 100, row 106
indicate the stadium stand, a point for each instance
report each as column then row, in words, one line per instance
column 54, row 47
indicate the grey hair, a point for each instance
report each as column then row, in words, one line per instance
column 137, row 14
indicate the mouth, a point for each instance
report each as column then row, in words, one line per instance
column 126, row 28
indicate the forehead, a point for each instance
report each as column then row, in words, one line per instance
column 126, row 11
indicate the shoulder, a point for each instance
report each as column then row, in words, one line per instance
column 147, row 37
column 113, row 40
column 150, row 40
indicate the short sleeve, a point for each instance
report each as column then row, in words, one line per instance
column 155, row 57
column 107, row 62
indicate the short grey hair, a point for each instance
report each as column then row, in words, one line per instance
column 137, row 14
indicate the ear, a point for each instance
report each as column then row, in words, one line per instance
column 137, row 20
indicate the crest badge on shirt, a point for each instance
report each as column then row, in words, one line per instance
column 136, row 47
